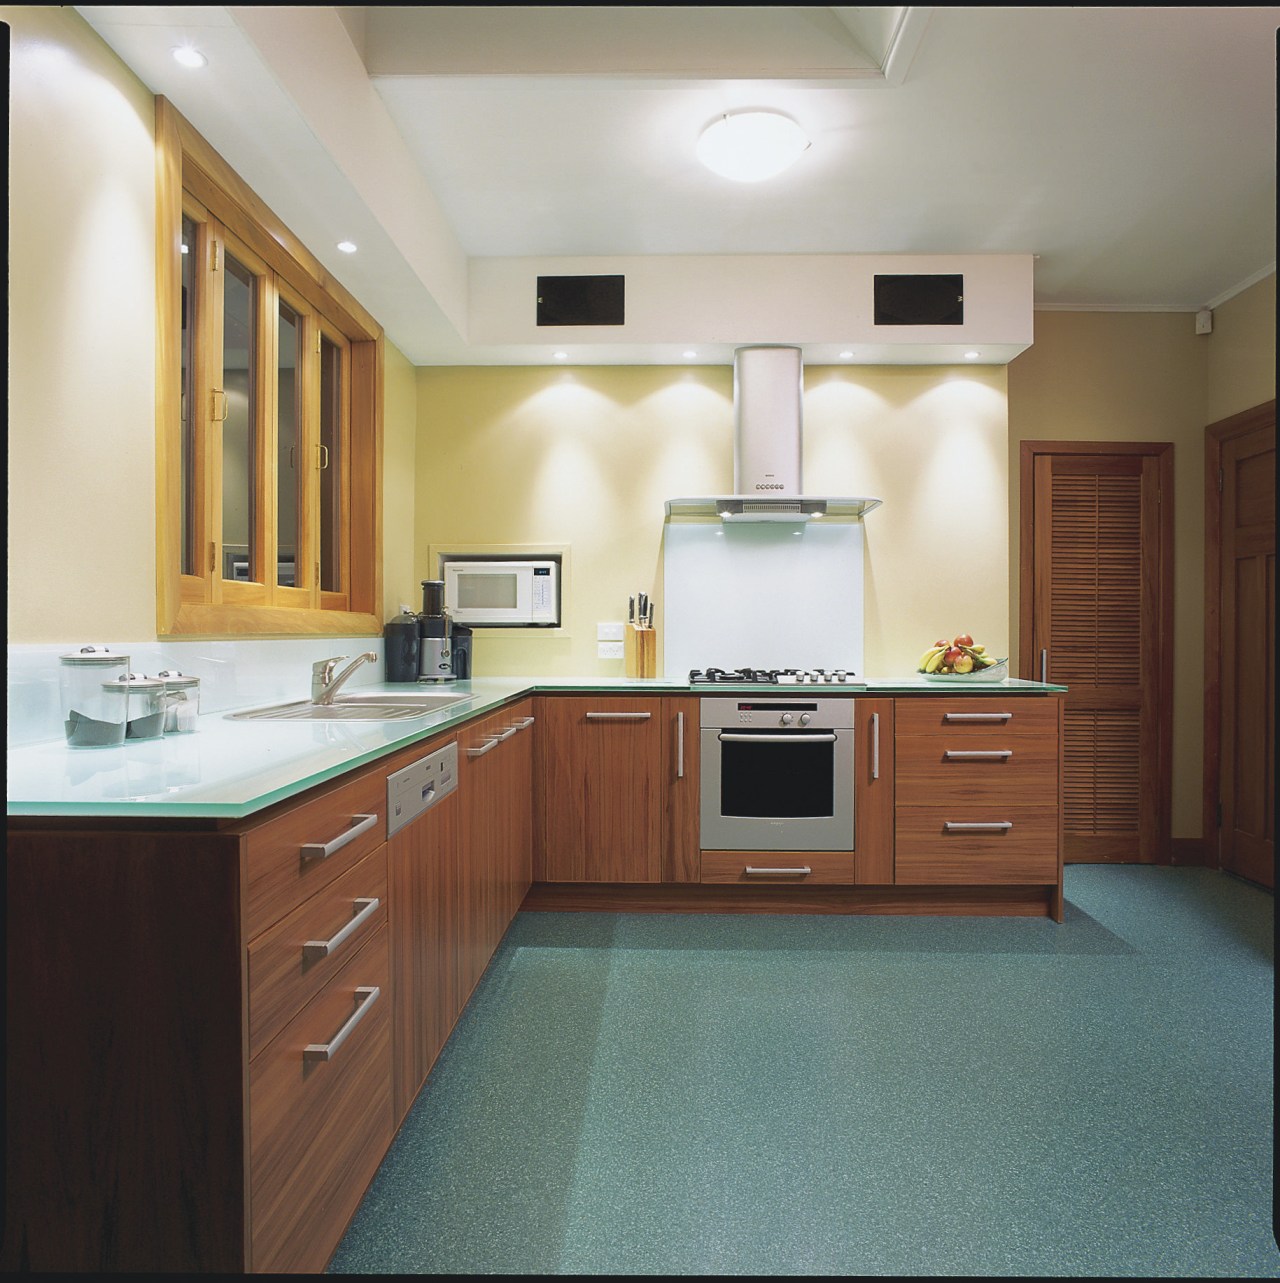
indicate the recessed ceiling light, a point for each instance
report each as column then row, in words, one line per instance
column 189, row 57
column 561, row 356
column 347, row 247
column 846, row 356
column 689, row 355
column 749, row 146
column 972, row 356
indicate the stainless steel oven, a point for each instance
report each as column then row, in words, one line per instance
column 777, row 773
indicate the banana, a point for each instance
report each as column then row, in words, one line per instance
column 934, row 661
column 979, row 656
column 932, row 653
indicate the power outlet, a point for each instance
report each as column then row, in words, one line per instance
column 609, row 632
column 609, row 650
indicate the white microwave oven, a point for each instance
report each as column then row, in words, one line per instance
column 522, row 593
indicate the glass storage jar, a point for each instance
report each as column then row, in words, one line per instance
column 146, row 705
column 181, row 701
column 95, row 705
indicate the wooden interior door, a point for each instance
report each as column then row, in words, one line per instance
column 1096, row 606
column 1243, row 527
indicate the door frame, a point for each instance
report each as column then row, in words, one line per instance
column 1162, row 452
column 1215, row 436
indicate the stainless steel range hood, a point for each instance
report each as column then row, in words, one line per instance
column 768, row 388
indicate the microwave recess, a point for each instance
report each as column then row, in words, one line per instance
column 502, row 592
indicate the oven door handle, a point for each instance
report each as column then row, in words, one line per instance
column 783, row 738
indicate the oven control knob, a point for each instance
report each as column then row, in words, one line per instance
column 804, row 719
column 786, row 719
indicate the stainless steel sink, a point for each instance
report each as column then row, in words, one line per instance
column 356, row 707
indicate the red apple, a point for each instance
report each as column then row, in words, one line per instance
column 952, row 655
column 964, row 664
column 942, row 641
column 962, row 640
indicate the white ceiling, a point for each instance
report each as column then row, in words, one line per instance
column 1131, row 150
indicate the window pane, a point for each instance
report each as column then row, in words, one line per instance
column 332, row 465
column 239, row 429
column 188, row 447
column 288, row 448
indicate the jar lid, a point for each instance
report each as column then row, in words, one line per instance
column 174, row 680
column 94, row 655
column 134, row 681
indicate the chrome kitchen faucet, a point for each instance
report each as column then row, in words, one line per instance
column 324, row 685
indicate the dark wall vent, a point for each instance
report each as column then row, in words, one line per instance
column 580, row 300
column 919, row 300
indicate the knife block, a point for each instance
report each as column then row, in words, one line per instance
column 640, row 651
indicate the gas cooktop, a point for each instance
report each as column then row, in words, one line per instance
column 774, row 677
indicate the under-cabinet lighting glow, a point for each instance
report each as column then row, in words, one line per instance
column 189, row 57
column 347, row 247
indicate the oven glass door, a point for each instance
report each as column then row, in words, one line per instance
column 777, row 791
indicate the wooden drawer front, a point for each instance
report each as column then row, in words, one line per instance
column 932, row 769
column 288, row 966
column 319, row 1128
column 732, row 866
column 934, row 844
column 977, row 717
column 281, row 873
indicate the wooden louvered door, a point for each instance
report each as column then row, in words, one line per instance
column 1096, row 620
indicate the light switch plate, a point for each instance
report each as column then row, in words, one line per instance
column 609, row 650
column 609, row 632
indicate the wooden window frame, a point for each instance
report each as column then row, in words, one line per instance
column 189, row 170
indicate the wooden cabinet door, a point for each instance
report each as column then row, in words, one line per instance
column 599, row 789
column 873, row 768
column 480, row 859
column 680, row 860
column 423, row 873
column 1097, row 601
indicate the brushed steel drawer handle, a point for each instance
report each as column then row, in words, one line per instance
column 984, row 826
column 953, row 753
column 875, row 746
column 524, row 725
column 618, row 717
column 368, row 995
column 679, row 746
column 976, row 717
column 491, row 743
column 752, row 871
column 314, row 949
column 726, row 737
column 323, row 850
column 508, row 733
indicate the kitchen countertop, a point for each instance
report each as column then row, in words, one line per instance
column 232, row 769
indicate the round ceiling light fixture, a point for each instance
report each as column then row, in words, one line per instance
column 749, row 146
column 189, row 56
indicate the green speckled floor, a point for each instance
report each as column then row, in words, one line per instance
column 729, row 1094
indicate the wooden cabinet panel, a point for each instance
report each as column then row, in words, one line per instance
column 930, row 770
column 284, row 975
column 599, row 789
column 775, row 868
column 945, row 843
column 977, row 717
column 680, row 856
column 873, row 773
column 320, row 1127
column 281, row 873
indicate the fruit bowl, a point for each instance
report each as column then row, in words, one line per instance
column 996, row 673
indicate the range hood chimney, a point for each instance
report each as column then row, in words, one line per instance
column 768, row 391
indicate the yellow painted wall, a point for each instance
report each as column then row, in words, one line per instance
column 399, row 449
column 586, row 458
column 81, row 336
column 1242, row 352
